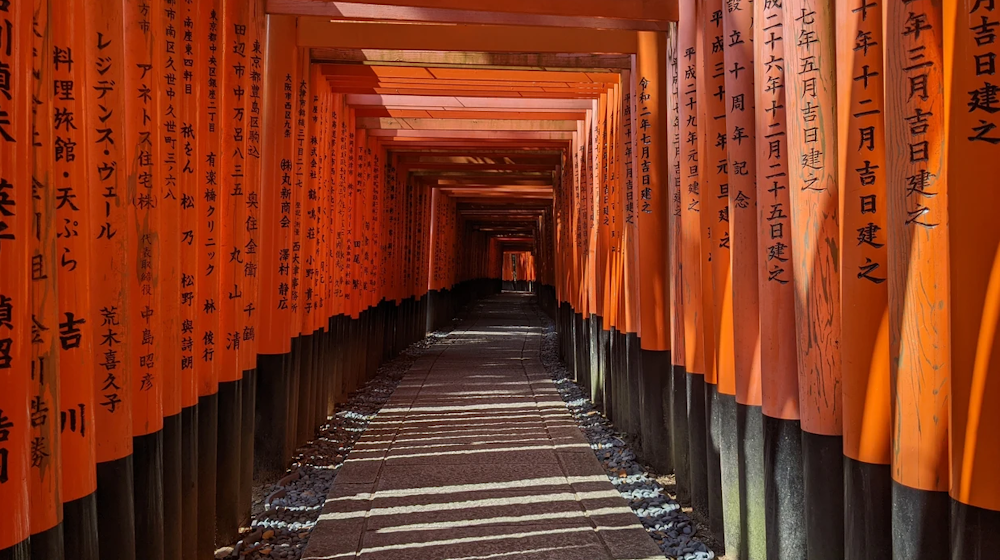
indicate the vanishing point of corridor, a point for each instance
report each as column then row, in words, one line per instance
column 475, row 456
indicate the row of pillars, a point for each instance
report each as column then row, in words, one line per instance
column 200, row 254
column 519, row 274
column 776, row 266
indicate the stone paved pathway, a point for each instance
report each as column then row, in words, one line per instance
column 475, row 456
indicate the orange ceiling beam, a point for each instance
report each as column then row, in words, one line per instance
column 319, row 32
column 444, row 102
column 649, row 10
column 389, row 123
column 588, row 62
column 473, row 134
column 496, row 14
column 383, row 112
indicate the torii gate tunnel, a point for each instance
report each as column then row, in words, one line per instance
column 766, row 231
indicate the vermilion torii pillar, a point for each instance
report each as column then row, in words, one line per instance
column 208, row 72
column 678, row 381
column 865, row 340
column 650, row 134
column 783, row 492
column 45, row 460
column 974, row 239
column 810, row 65
column 720, row 375
column 688, row 64
column 77, row 327
column 916, row 206
column 743, row 455
column 167, row 87
column 105, row 57
column 15, row 283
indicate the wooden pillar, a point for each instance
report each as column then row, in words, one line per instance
column 783, row 479
column 743, row 452
column 865, row 341
column 690, row 61
column 146, row 192
column 916, row 206
column 677, row 169
column 207, row 334
column 72, row 222
column 16, row 244
column 812, row 134
column 110, row 235
column 600, row 392
column 651, row 212
column 233, row 71
column 189, row 90
column 249, row 315
column 971, row 53
column 339, row 243
column 716, row 278
column 169, row 69
column 43, row 404
column 589, row 173
column 271, row 445
column 304, row 340
column 629, row 226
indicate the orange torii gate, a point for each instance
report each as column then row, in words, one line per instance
column 209, row 212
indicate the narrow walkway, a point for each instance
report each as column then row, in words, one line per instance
column 476, row 457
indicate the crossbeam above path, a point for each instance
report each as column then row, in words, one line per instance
column 646, row 16
column 316, row 32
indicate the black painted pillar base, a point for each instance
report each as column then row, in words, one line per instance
column 48, row 544
column 208, row 451
column 975, row 532
column 867, row 510
column 784, row 492
column 189, row 482
column 713, row 456
column 732, row 521
column 918, row 517
column 340, row 353
column 271, row 417
column 292, row 410
column 697, row 450
column 655, row 431
column 584, row 371
column 575, row 344
column 20, row 551
column 433, row 311
column 304, row 424
column 116, row 504
column 227, row 489
column 147, row 456
column 80, row 528
column 172, row 497
column 633, row 371
column 562, row 327
column 750, row 445
column 823, row 472
column 595, row 348
column 606, row 386
column 680, row 436
column 246, row 445
column 613, row 374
